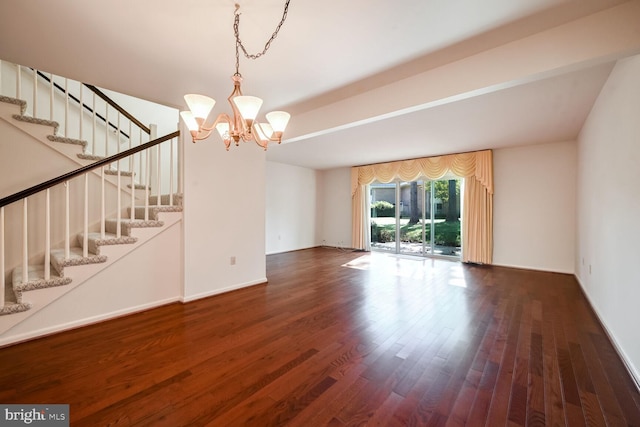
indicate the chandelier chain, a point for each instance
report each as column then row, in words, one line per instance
column 236, row 30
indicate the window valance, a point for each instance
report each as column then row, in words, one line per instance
column 477, row 164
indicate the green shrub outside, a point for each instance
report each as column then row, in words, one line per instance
column 383, row 208
column 446, row 233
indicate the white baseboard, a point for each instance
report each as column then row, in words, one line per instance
column 194, row 297
column 528, row 267
column 633, row 372
column 15, row 339
column 284, row 251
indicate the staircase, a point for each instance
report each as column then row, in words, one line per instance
column 140, row 192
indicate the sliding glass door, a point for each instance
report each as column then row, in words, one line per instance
column 383, row 200
column 447, row 215
column 412, row 219
column 417, row 217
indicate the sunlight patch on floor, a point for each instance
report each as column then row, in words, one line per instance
column 409, row 266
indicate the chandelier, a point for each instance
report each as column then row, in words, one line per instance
column 243, row 125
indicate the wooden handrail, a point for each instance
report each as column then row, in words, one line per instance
column 117, row 107
column 70, row 175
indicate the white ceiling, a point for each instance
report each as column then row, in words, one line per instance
column 326, row 51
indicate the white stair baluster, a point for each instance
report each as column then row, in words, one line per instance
column 106, row 130
column 35, row 93
column 51, row 96
column 47, row 235
column 81, row 112
column 2, row 282
column 102, row 205
column 146, row 185
column 66, row 108
column 18, row 82
column 141, row 176
column 67, row 248
column 119, row 197
column 153, row 135
column 171, row 172
column 25, row 241
column 133, row 181
column 93, row 138
column 179, row 152
column 158, row 168
column 85, row 236
column 118, row 213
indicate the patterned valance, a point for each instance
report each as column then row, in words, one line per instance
column 477, row 164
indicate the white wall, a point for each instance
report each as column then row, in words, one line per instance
column 535, row 207
column 307, row 208
column 292, row 208
column 524, row 204
column 20, row 154
column 148, row 112
column 224, row 216
column 335, row 207
column 609, row 208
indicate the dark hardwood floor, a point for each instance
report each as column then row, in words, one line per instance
column 342, row 338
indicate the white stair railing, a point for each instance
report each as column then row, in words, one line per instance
column 76, row 197
column 72, row 207
column 83, row 112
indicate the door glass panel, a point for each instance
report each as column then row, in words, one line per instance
column 383, row 216
column 412, row 222
column 428, row 217
column 446, row 200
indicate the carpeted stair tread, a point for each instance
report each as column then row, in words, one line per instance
column 153, row 211
column 13, row 294
column 29, row 119
column 164, row 200
column 95, row 240
column 86, row 156
column 65, row 140
column 11, row 307
column 126, row 225
column 139, row 186
column 115, row 172
column 59, row 262
column 15, row 101
column 36, row 280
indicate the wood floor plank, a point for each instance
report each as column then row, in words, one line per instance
column 498, row 410
column 339, row 338
column 553, row 401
